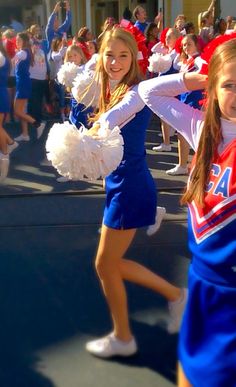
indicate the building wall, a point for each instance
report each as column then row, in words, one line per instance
column 228, row 8
column 191, row 9
column 90, row 12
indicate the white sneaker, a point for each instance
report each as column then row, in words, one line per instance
column 22, row 138
column 4, row 166
column 162, row 148
column 176, row 309
column 110, row 346
column 160, row 213
column 63, row 179
column 46, row 163
column 40, row 129
column 12, row 147
column 177, row 170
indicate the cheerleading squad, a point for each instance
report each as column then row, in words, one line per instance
column 109, row 96
column 34, row 90
column 124, row 101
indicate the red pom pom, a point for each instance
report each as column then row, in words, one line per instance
column 163, row 35
column 141, row 43
column 178, row 45
column 210, row 47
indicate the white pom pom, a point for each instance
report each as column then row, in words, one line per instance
column 67, row 73
column 78, row 156
column 159, row 63
column 79, row 91
column 159, row 48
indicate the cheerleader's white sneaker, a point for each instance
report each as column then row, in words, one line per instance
column 176, row 310
column 160, row 214
column 110, row 346
column 12, row 147
column 162, row 148
column 177, row 170
column 40, row 129
column 22, row 138
column 63, row 179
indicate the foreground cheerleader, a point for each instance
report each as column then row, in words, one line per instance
column 207, row 348
column 130, row 195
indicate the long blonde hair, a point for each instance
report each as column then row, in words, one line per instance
column 78, row 49
column 211, row 135
column 131, row 78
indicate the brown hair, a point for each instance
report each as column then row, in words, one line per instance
column 211, row 135
column 195, row 40
column 81, row 35
column 26, row 45
column 56, row 43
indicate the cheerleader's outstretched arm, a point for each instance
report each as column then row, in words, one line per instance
column 123, row 111
column 159, row 95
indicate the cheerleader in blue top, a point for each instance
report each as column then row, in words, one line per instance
column 53, row 29
column 7, row 145
column 130, row 193
column 79, row 114
column 23, row 59
column 207, row 346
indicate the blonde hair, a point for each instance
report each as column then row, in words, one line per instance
column 9, row 33
column 211, row 135
column 33, row 28
column 79, row 51
column 202, row 16
column 131, row 78
column 174, row 31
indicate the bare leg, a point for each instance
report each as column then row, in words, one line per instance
column 113, row 269
column 112, row 246
column 182, row 380
column 19, row 107
column 183, row 150
column 24, row 126
column 165, row 132
column 5, row 139
column 134, row 272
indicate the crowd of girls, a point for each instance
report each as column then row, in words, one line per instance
column 207, row 344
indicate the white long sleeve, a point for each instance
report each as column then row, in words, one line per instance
column 20, row 55
column 159, row 95
column 124, row 111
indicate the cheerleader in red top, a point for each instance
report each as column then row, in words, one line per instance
column 151, row 34
column 207, row 346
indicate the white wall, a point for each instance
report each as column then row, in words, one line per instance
column 176, row 9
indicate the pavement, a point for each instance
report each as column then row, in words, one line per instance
column 51, row 301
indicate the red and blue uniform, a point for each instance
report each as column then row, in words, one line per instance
column 207, row 344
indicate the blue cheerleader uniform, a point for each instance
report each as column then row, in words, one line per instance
column 79, row 114
column 23, row 81
column 130, row 190
column 4, row 96
column 209, row 321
